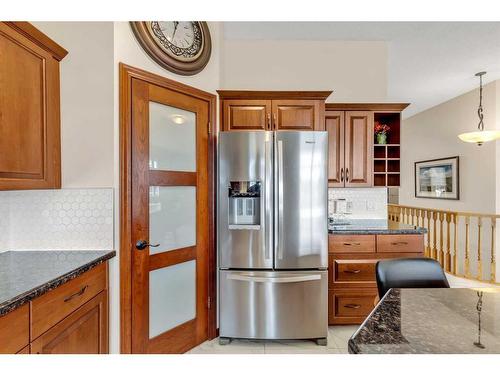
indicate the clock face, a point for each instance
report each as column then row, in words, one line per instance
column 181, row 40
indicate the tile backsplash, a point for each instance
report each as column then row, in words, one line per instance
column 362, row 203
column 66, row 219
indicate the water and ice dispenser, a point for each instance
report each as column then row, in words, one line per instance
column 244, row 204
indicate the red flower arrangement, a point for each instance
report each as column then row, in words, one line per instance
column 382, row 128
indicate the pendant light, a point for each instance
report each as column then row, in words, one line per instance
column 480, row 136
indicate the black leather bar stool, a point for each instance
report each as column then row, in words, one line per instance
column 409, row 273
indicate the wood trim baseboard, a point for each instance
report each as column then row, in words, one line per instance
column 127, row 74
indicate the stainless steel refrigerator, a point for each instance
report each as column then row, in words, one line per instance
column 273, row 235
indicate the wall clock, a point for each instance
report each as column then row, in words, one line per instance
column 181, row 47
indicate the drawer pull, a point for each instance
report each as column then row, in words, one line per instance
column 352, row 271
column 352, row 243
column 399, row 243
column 77, row 294
column 352, row 306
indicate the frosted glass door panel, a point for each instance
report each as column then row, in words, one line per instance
column 172, row 217
column 172, row 138
column 172, row 297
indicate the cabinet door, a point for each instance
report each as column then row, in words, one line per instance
column 358, row 148
column 83, row 332
column 334, row 125
column 297, row 115
column 29, row 114
column 246, row 114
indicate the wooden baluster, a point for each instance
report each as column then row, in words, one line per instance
column 412, row 214
column 434, row 248
column 479, row 261
column 455, row 240
column 441, row 237
column 447, row 259
column 467, row 235
column 493, row 263
column 428, row 247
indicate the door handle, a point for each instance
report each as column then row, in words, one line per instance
column 266, row 212
column 263, row 279
column 268, row 121
column 347, row 174
column 352, row 306
column 280, row 199
column 141, row 245
column 341, row 174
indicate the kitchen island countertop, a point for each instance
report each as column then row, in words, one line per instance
column 25, row 275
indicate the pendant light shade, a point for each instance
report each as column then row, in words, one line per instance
column 480, row 136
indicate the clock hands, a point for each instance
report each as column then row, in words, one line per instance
column 176, row 24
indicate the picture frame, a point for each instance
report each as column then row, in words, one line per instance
column 438, row 178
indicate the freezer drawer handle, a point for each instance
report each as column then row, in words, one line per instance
column 352, row 306
column 290, row 279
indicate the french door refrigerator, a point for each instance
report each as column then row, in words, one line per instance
column 273, row 235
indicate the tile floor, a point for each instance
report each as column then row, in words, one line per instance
column 337, row 344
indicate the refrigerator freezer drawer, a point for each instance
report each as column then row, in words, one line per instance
column 274, row 305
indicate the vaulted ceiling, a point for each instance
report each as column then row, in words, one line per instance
column 428, row 62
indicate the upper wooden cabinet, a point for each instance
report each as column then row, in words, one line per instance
column 30, row 149
column 272, row 110
column 355, row 160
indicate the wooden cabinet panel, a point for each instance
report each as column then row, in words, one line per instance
column 351, row 306
column 296, row 114
column 408, row 243
column 351, row 244
column 358, row 148
column 354, row 270
column 14, row 330
column 247, row 115
column 85, row 331
column 53, row 306
column 334, row 125
column 29, row 111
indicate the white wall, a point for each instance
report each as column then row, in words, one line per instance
column 128, row 51
column 86, row 101
column 433, row 134
column 355, row 71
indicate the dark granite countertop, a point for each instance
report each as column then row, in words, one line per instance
column 375, row 227
column 25, row 275
column 427, row 321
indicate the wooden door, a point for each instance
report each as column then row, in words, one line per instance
column 83, row 332
column 358, row 148
column 246, row 114
column 334, row 125
column 169, row 219
column 296, row 114
column 29, row 110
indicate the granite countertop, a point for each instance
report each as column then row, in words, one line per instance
column 375, row 226
column 428, row 321
column 25, row 275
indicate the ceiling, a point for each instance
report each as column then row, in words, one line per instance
column 428, row 62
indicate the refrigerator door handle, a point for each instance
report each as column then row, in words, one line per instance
column 280, row 200
column 266, row 212
column 285, row 279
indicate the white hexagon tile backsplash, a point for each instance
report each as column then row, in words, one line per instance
column 66, row 219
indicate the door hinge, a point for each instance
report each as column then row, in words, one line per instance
column 209, row 127
column 209, row 303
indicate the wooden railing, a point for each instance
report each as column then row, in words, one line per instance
column 464, row 243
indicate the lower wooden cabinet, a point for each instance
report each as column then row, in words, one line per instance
column 352, row 287
column 83, row 332
column 70, row 319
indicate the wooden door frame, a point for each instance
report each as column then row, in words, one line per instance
column 127, row 73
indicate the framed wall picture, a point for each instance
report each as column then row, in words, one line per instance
column 437, row 178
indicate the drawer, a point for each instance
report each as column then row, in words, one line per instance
column 351, row 306
column 14, row 330
column 351, row 244
column 407, row 243
column 354, row 270
column 52, row 307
